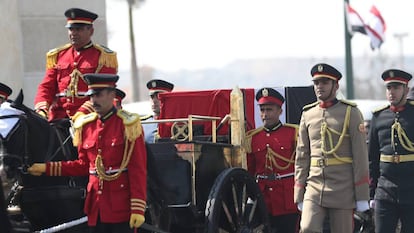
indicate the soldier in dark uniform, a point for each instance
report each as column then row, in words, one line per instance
column 331, row 166
column 5, row 92
column 391, row 155
column 62, row 90
column 155, row 86
column 271, row 157
column 112, row 152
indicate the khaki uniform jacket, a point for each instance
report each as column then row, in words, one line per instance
column 332, row 186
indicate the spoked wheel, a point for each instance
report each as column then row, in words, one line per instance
column 235, row 204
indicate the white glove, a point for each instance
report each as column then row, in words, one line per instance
column 372, row 204
column 300, row 206
column 362, row 206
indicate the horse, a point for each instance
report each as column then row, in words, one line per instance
column 49, row 201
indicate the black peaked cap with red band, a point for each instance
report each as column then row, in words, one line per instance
column 323, row 70
column 5, row 91
column 396, row 76
column 97, row 82
column 77, row 17
column 269, row 95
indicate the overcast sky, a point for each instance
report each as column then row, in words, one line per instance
column 194, row 34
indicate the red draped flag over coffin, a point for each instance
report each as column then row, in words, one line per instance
column 214, row 103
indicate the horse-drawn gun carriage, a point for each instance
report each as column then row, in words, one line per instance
column 197, row 170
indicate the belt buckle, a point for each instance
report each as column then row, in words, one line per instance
column 322, row 162
column 273, row 176
column 396, row 159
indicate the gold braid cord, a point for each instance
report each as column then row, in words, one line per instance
column 133, row 130
column 402, row 136
column 327, row 132
column 272, row 156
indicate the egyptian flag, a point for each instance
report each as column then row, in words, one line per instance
column 355, row 21
column 375, row 28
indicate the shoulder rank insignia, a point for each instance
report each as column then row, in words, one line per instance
column 348, row 102
column 127, row 117
column 380, row 109
column 291, row 125
column 133, row 128
column 108, row 57
column 309, row 106
column 51, row 56
column 84, row 119
column 78, row 125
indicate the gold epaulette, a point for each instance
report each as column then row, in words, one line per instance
column 348, row 102
column 108, row 57
column 133, row 128
column 291, row 125
column 248, row 138
column 295, row 126
column 51, row 56
column 79, row 123
column 144, row 118
column 309, row 106
column 380, row 109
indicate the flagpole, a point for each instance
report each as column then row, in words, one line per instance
column 348, row 59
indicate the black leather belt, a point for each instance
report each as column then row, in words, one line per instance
column 275, row 176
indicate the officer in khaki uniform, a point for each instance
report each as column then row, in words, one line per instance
column 331, row 165
column 391, row 156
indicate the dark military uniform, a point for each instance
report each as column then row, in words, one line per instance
column 331, row 166
column 270, row 158
column 391, row 155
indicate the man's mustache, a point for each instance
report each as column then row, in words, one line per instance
column 96, row 105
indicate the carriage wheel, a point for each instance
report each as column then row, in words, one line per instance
column 235, row 204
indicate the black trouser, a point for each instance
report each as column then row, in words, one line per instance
column 387, row 215
column 122, row 227
column 288, row 223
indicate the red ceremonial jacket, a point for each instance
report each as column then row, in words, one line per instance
column 115, row 200
column 272, row 154
column 61, row 95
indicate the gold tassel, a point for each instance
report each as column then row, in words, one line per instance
column 248, row 139
column 77, row 137
column 133, row 131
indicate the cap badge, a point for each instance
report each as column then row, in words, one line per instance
column 320, row 68
column 265, row 92
column 153, row 84
column 391, row 74
column 72, row 14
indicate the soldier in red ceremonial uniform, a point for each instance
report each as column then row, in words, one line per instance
column 391, row 156
column 5, row 92
column 331, row 165
column 271, row 156
column 119, row 96
column 112, row 152
column 62, row 90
